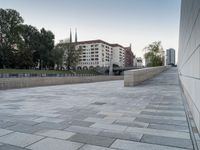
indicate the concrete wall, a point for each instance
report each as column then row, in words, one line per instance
column 134, row 77
column 10, row 83
column 189, row 55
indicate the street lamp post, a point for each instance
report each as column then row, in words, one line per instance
column 111, row 66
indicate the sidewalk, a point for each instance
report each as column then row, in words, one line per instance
column 96, row 116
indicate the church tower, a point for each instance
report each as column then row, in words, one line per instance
column 76, row 39
column 70, row 37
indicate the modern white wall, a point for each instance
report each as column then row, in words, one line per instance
column 189, row 55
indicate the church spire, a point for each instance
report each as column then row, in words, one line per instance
column 76, row 40
column 70, row 38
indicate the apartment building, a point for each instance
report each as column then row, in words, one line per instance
column 170, row 56
column 98, row 53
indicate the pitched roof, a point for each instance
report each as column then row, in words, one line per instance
column 99, row 41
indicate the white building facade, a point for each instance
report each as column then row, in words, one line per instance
column 189, row 55
column 98, row 53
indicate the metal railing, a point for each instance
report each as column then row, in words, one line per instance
column 27, row 75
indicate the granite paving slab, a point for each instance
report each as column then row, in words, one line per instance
column 100, row 120
column 132, row 124
column 10, row 147
column 92, row 139
column 4, row 132
column 169, row 127
column 20, row 139
column 121, row 135
column 80, row 123
column 162, row 114
column 92, row 147
column 168, row 141
column 84, row 130
column 165, row 133
column 5, row 124
column 55, row 144
column 24, row 128
column 52, row 125
column 60, row 134
column 109, row 126
column 130, row 145
column 162, row 121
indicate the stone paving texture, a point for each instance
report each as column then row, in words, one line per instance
column 96, row 116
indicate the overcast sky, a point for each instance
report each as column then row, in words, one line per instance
column 139, row 22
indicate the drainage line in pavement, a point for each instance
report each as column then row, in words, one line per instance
column 193, row 139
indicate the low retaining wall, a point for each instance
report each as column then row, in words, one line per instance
column 11, row 83
column 134, row 77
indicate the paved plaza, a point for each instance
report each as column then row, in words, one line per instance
column 96, row 116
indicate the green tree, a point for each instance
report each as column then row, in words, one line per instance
column 72, row 54
column 57, row 55
column 10, row 22
column 28, row 53
column 23, row 46
column 154, row 55
column 45, row 48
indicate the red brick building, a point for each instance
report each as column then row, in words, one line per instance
column 129, row 57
